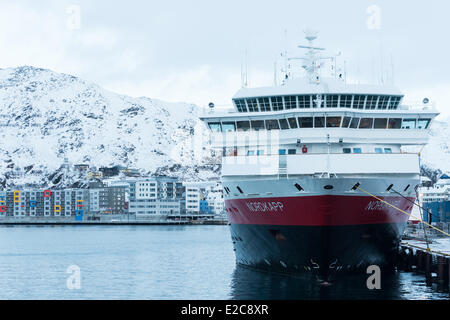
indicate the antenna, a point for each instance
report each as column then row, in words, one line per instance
column 275, row 73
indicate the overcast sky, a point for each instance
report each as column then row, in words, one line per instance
column 192, row 51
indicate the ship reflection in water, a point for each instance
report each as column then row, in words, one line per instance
column 250, row 284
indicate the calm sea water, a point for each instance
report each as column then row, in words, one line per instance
column 161, row 262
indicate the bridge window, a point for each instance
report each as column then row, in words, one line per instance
column 394, row 102
column 332, row 100
column 228, row 126
column 293, row 123
column 257, row 125
column 354, row 123
column 346, row 101
column 272, row 125
column 290, row 102
column 409, row 124
column 423, row 123
column 215, row 126
column 304, row 101
column 382, row 103
column 240, row 105
column 380, row 123
column 371, row 102
column 346, row 122
column 243, row 125
column 333, row 122
column 252, row 105
column 264, row 104
column 366, row 123
column 395, row 123
column 283, row 124
column 319, row 122
column 277, row 103
column 358, row 102
column 305, row 122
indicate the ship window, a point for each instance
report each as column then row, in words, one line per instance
column 346, row 122
column 382, row 103
column 299, row 188
column 346, row 101
column 358, row 102
column 228, row 126
column 259, row 152
column 319, row 122
column 257, row 125
column 290, row 102
column 347, row 150
column 215, row 126
column 272, row 125
column 332, row 101
column 380, row 123
column 394, row 102
column 293, row 123
column 395, row 123
column 333, row 122
column 366, row 123
column 423, row 123
column 292, row 151
column 277, row 103
column 371, row 102
column 282, row 151
column 305, row 122
column 250, row 152
column 378, row 150
column 243, row 125
column 357, row 150
column 387, row 150
column 252, row 105
column 354, row 123
column 304, row 101
column 283, row 124
column 239, row 189
column 264, row 104
column 409, row 124
column 240, row 105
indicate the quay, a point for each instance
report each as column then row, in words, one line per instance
column 112, row 220
column 432, row 263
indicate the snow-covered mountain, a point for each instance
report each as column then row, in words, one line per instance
column 436, row 154
column 46, row 116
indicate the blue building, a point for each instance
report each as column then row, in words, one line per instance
column 436, row 201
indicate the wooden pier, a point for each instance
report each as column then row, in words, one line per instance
column 435, row 265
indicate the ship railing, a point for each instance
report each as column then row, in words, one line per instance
column 233, row 154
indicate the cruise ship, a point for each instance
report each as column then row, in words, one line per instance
column 309, row 168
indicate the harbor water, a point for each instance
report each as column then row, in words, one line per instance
column 162, row 262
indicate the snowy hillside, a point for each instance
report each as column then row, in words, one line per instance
column 437, row 153
column 47, row 116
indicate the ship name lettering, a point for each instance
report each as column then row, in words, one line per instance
column 263, row 206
